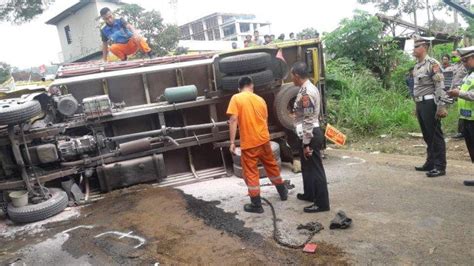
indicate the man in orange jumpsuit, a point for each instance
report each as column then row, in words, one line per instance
column 123, row 37
column 249, row 112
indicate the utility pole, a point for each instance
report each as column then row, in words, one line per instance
column 415, row 5
column 428, row 12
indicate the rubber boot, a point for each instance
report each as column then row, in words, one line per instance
column 283, row 191
column 255, row 206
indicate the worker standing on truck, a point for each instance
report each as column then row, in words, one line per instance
column 248, row 112
column 430, row 108
column 122, row 36
column 466, row 102
column 307, row 108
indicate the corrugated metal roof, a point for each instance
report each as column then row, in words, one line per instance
column 73, row 9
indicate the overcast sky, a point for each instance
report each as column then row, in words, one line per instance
column 36, row 43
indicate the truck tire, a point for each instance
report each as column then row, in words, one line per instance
column 244, row 63
column 37, row 212
column 260, row 79
column 15, row 111
column 275, row 149
column 283, row 105
column 261, row 171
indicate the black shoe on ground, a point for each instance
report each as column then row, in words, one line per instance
column 424, row 168
column 469, row 183
column 282, row 191
column 150, row 54
column 436, row 173
column 255, row 206
column 302, row 196
column 314, row 208
column 458, row 136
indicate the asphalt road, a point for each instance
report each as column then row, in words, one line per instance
column 399, row 216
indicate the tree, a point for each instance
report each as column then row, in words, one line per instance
column 360, row 39
column 162, row 37
column 5, row 71
column 307, row 33
column 20, row 11
column 400, row 6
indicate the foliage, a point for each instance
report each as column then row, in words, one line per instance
column 5, row 70
column 162, row 38
column 360, row 39
column 364, row 107
column 442, row 49
column 307, row 33
column 20, row 11
column 407, row 6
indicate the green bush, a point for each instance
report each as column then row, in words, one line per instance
column 361, row 107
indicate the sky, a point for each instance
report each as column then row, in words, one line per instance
column 35, row 43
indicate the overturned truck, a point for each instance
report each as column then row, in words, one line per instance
column 100, row 127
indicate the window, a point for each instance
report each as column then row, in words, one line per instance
column 67, row 31
column 244, row 27
column 229, row 30
column 217, row 34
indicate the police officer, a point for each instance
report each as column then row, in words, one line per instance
column 459, row 73
column 307, row 108
column 430, row 108
column 466, row 102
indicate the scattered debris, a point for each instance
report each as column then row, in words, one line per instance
column 415, row 135
column 383, row 136
column 310, row 248
column 432, row 250
column 341, row 221
column 311, row 226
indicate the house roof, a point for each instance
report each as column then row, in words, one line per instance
column 73, row 9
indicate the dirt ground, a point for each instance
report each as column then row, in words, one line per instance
column 455, row 148
column 178, row 228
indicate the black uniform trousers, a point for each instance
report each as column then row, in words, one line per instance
column 469, row 136
column 315, row 186
column 432, row 134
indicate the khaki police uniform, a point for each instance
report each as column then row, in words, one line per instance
column 428, row 94
column 307, row 109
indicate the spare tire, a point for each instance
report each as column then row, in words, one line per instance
column 37, row 212
column 244, row 63
column 275, row 149
column 261, row 170
column 283, row 105
column 15, row 111
column 260, row 79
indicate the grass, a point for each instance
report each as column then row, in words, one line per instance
column 360, row 107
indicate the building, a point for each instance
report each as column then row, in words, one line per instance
column 223, row 26
column 78, row 29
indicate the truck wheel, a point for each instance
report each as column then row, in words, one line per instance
column 14, row 111
column 283, row 105
column 261, row 171
column 275, row 149
column 243, row 63
column 260, row 79
column 37, row 212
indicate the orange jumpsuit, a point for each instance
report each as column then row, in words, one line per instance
column 121, row 50
column 252, row 115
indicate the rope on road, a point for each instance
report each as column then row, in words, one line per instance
column 277, row 234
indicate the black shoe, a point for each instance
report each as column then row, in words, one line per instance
column 255, row 206
column 150, row 54
column 469, row 183
column 315, row 208
column 283, row 191
column 424, row 168
column 435, row 173
column 302, row 196
column 458, row 136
